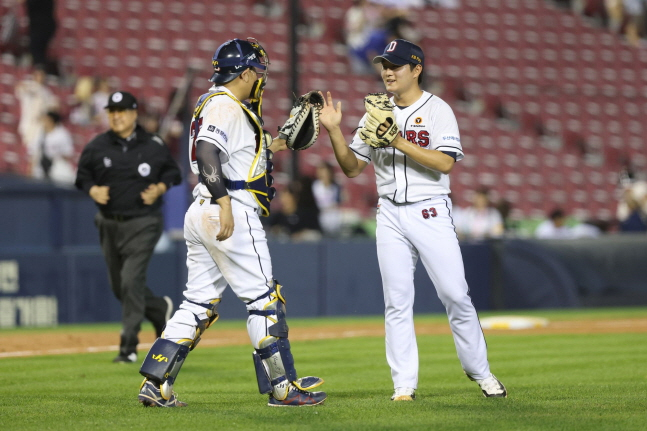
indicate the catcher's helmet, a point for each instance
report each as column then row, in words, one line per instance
column 235, row 56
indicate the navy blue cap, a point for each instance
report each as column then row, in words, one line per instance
column 121, row 100
column 402, row 52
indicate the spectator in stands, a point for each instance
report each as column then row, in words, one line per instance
column 57, row 151
column 82, row 111
column 35, row 100
column 481, row 220
column 401, row 4
column 359, row 22
column 42, row 26
column 150, row 122
column 298, row 218
column 554, row 227
column 634, row 12
column 328, row 195
column 632, row 207
column 99, row 99
column 369, row 27
column 510, row 226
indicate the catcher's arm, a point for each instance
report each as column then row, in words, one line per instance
column 208, row 157
column 277, row 145
column 330, row 117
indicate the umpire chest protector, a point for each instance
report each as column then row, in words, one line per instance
column 259, row 181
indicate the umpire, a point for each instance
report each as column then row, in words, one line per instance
column 126, row 171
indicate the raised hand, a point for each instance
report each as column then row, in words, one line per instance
column 330, row 116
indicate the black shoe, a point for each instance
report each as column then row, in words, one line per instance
column 126, row 359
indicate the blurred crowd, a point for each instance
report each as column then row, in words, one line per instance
column 307, row 209
column 624, row 17
column 45, row 122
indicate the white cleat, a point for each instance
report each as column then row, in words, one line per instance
column 492, row 387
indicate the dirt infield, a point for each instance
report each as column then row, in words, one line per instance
column 36, row 344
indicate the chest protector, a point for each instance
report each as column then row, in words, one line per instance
column 259, row 181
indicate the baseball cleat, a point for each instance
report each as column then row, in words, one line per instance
column 308, row 383
column 151, row 396
column 492, row 387
column 125, row 359
column 404, row 394
column 298, row 398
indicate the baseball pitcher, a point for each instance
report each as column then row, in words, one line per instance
column 412, row 138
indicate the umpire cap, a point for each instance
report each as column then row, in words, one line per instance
column 121, row 100
column 401, row 52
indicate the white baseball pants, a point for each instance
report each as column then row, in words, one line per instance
column 241, row 261
column 424, row 229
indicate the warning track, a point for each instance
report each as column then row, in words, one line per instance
column 39, row 344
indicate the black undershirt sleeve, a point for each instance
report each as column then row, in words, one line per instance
column 208, row 157
column 451, row 154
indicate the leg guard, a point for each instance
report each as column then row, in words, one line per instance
column 163, row 363
column 165, row 358
column 273, row 359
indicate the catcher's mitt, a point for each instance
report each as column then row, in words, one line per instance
column 380, row 110
column 302, row 128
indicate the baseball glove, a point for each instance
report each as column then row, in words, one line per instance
column 380, row 110
column 302, row 128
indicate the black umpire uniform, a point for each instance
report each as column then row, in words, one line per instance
column 117, row 172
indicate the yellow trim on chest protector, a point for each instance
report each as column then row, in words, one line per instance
column 259, row 132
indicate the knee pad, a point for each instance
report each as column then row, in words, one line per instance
column 176, row 328
column 162, row 364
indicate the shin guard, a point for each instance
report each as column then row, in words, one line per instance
column 162, row 364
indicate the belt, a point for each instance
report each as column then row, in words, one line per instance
column 118, row 217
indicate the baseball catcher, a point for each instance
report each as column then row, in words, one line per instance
column 300, row 131
column 230, row 153
column 380, row 128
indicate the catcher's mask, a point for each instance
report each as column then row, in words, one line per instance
column 235, row 56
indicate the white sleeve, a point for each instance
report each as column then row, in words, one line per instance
column 445, row 135
column 220, row 118
column 360, row 148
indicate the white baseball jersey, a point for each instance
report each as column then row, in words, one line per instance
column 223, row 123
column 429, row 123
column 243, row 260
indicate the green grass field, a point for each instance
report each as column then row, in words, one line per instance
column 555, row 382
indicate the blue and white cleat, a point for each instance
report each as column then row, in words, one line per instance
column 150, row 395
column 298, row 398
